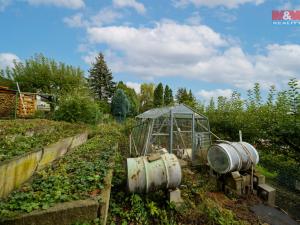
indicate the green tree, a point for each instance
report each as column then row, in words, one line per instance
column 293, row 95
column 101, row 79
column 132, row 97
column 257, row 94
column 78, row 107
column 158, row 97
column 41, row 74
column 146, row 96
column 168, row 96
column 182, row 95
column 120, row 105
column 271, row 95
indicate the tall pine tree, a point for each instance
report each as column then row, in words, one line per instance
column 158, row 95
column 101, row 79
column 168, row 96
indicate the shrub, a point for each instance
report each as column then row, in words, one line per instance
column 78, row 108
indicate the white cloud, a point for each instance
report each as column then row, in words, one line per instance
column 4, row 4
column 135, row 86
column 7, row 60
column 207, row 95
column 72, row 4
column 103, row 17
column 75, row 20
column 224, row 16
column 139, row 7
column 193, row 52
column 194, row 19
column 214, row 3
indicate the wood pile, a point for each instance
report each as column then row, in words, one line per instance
column 7, row 104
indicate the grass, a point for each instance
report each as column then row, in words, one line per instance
column 268, row 174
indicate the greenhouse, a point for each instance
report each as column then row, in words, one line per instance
column 177, row 129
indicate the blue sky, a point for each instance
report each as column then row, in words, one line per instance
column 210, row 46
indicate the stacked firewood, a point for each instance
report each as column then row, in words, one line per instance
column 7, row 104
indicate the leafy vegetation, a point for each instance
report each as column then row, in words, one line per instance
column 200, row 207
column 78, row 107
column 41, row 74
column 120, row 105
column 20, row 136
column 78, row 175
column 158, row 95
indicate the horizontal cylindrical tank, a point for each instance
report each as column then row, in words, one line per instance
column 226, row 156
column 149, row 173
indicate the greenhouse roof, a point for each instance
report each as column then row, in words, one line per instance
column 179, row 111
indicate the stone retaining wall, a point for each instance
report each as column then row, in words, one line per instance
column 16, row 171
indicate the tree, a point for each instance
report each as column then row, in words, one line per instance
column 41, row 74
column 146, row 96
column 271, row 95
column 257, row 95
column 101, row 79
column 168, row 96
column 132, row 97
column 158, row 99
column 78, row 107
column 120, row 105
column 293, row 95
column 182, row 95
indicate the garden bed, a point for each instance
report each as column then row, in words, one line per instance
column 18, row 137
column 79, row 175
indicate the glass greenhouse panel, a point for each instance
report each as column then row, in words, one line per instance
column 178, row 129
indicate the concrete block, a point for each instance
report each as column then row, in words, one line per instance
column 267, row 194
column 175, row 197
column 61, row 214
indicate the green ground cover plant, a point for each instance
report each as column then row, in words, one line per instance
column 20, row 136
column 78, row 175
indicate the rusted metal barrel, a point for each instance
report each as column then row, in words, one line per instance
column 228, row 156
column 149, row 173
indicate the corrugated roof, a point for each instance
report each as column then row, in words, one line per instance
column 180, row 111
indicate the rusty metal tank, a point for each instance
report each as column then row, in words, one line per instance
column 225, row 157
column 150, row 173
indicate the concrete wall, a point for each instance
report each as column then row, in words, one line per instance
column 16, row 171
column 70, row 212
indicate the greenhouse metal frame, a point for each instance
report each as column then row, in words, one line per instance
column 177, row 129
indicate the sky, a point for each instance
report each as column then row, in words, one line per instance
column 209, row 46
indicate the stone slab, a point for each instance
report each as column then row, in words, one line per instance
column 79, row 139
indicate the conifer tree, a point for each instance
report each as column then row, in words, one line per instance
column 120, row 105
column 101, row 79
column 158, row 99
column 168, row 96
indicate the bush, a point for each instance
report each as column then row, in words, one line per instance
column 78, row 108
